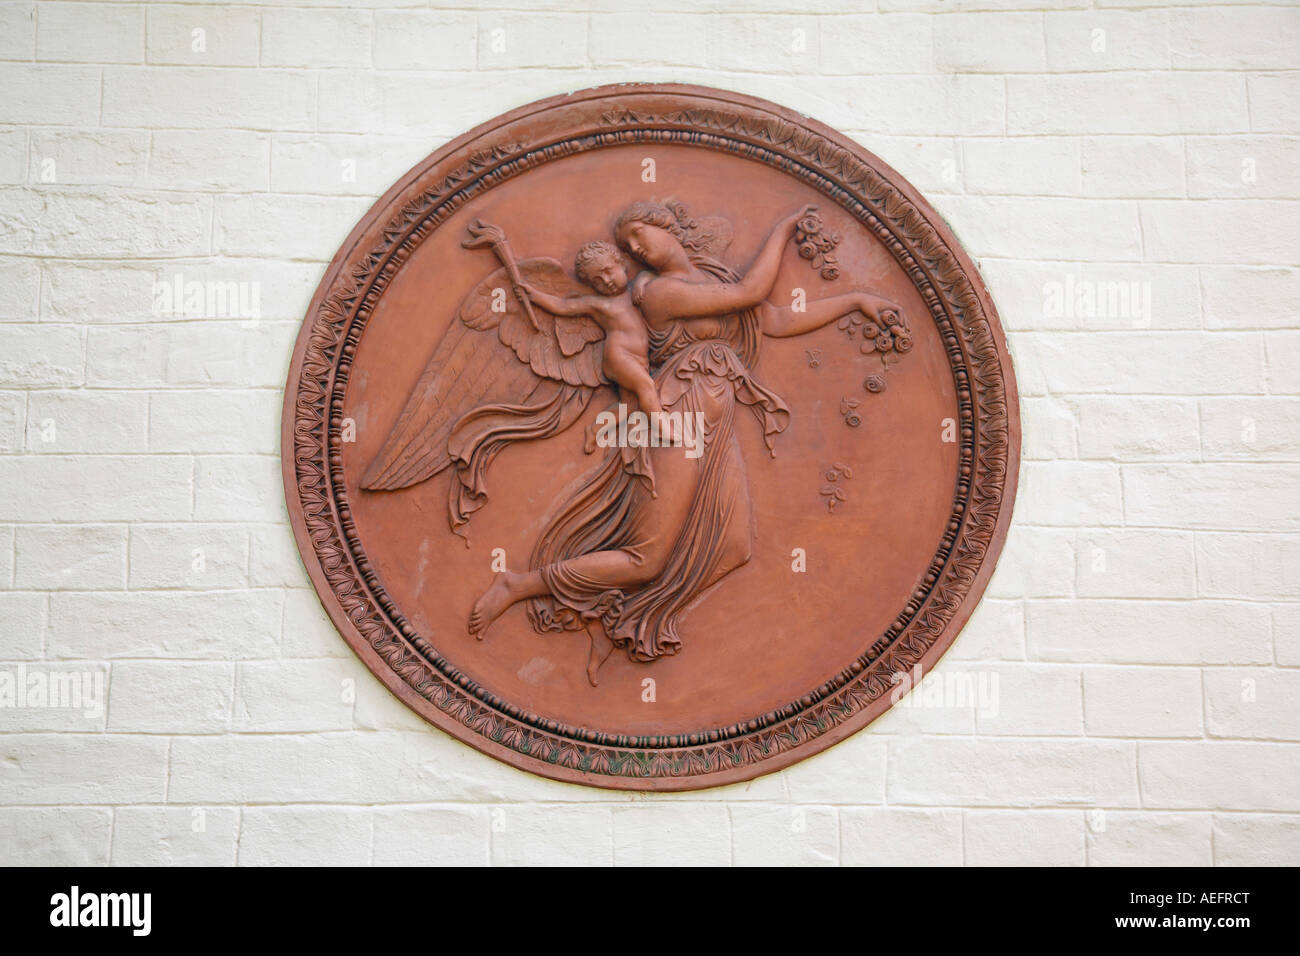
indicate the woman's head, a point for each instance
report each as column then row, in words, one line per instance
column 651, row 233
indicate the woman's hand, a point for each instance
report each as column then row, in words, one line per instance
column 884, row 313
column 788, row 224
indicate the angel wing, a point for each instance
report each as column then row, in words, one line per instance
column 707, row 235
column 538, row 388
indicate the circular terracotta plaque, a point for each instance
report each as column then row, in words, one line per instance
column 645, row 437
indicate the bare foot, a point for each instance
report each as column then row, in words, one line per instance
column 503, row 593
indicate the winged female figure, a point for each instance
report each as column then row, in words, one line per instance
column 650, row 529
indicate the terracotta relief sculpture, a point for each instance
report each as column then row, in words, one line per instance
column 661, row 371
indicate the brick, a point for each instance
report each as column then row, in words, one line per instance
column 1079, row 42
column 20, row 282
column 1256, row 167
column 188, row 556
column 1142, row 702
column 1170, row 363
column 273, row 558
column 1148, row 632
column 342, row 164
column 891, row 836
column 86, row 421
column 989, row 43
column 315, row 38
column 83, row 292
column 784, row 836
column 1229, row 497
column 24, row 617
column 1255, row 703
column 1223, row 776
column 431, row 836
column 1282, row 349
column 930, row 163
column 44, row 769
column 856, row 765
column 1147, row 838
column 272, row 225
column 1011, row 773
column 1137, row 167
column 214, row 420
column 55, row 836
column 1286, row 634
column 770, row 44
column 671, row 835
column 1256, row 839
column 562, row 836
column 67, row 95
column 6, row 559
column 1251, row 429
column 647, row 40
column 1022, row 166
column 1137, row 429
column 1069, row 493
column 126, row 356
column 1045, row 228
column 1049, row 429
column 222, row 626
column 252, row 290
column 1243, row 297
column 171, row 697
column 876, row 43
column 294, row 696
column 1148, row 104
column 1245, row 231
column 13, row 421
column 60, row 557
column 229, row 35
column 996, row 631
column 1025, row 699
column 304, row 836
column 308, row 631
column 1272, row 102
column 175, row 836
column 216, row 354
column 1023, row 838
column 34, row 355
column 1242, row 39
column 238, row 488
column 1136, row 563
column 102, row 488
column 210, row 160
column 531, row 40
column 17, row 31
column 73, row 223
column 90, row 32
column 13, row 156
column 425, row 39
column 88, row 157
column 193, row 97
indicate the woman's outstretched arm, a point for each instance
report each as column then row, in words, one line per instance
column 690, row 300
column 784, row 321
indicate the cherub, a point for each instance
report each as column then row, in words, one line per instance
column 626, row 360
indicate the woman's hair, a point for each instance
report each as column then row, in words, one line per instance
column 669, row 215
column 589, row 254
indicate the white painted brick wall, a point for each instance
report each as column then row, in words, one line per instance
column 1144, row 624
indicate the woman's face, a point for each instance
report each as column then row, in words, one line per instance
column 648, row 244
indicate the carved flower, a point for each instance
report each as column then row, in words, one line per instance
column 830, row 273
column 884, row 342
column 903, row 342
column 811, row 223
column 807, row 250
column 874, row 383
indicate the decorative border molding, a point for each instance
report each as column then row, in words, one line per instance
column 888, row 207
